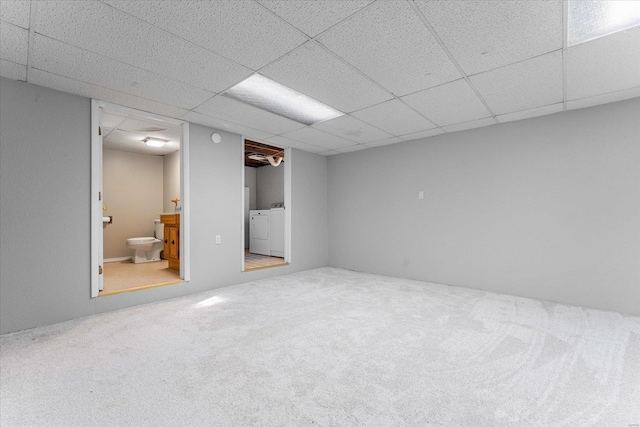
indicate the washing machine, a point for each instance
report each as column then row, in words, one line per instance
column 260, row 232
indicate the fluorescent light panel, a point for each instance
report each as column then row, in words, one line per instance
column 269, row 95
column 589, row 19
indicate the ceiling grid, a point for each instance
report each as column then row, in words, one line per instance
column 399, row 70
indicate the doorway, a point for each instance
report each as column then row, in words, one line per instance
column 140, row 216
column 266, row 206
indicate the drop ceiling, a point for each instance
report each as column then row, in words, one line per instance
column 399, row 70
column 125, row 132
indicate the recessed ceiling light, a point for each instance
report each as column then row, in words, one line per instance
column 154, row 142
column 272, row 96
column 589, row 19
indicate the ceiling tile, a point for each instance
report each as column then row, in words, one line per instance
column 111, row 120
column 312, row 70
column 100, row 28
column 386, row 141
column 528, row 84
column 350, row 149
column 14, row 43
column 604, row 99
column 14, row 71
column 470, row 125
column 69, row 61
column 603, row 65
column 15, row 12
column 247, row 115
column 148, row 127
column 216, row 123
column 350, row 128
column 242, row 31
column 482, row 35
column 420, row 135
column 394, row 117
column 87, row 90
column 534, row 112
column 314, row 17
column 390, row 44
column 286, row 142
column 318, row 138
column 450, row 103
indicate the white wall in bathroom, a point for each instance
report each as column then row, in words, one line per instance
column 133, row 194
column 171, row 181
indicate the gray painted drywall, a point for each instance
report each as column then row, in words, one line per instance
column 171, row 182
column 45, row 194
column 250, row 181
column 546, row 208
column 132, row 187
column 270, row 185
column 44, row 206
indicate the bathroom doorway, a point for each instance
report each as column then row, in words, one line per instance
column 266, row 206
column 139, row 181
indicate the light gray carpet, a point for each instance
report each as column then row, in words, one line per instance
column 328, row 347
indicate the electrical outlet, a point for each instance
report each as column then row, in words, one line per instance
column 217, row 239
column 420, row 195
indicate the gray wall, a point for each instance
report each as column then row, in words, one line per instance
column 546, row 208
column 132, row 187
column 45, row 175
column 270, row 185
column 171, row 181
column 250, row 181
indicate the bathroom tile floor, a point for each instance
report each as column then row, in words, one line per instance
column 125, row 275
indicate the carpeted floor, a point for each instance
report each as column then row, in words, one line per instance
column 328, row 347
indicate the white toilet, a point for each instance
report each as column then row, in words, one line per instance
column 147, row 249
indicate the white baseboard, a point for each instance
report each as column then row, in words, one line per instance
column 124, row 258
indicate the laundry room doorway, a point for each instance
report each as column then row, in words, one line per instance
column 266, row 206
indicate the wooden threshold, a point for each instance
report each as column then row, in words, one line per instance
column 265, row 267
column 139, row 288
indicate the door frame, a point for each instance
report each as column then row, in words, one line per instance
column 287, row 203
column 96, row 192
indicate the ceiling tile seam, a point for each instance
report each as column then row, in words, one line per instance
column 125, row 63
column 629, row 89
column 32, row 24
column 565, row 36
column 234, row 123
column 516, row 62
column 13, row 62
column 307, row 36
column 427, row 24
column 525, row 110
column 362, row 9
column 110, row 89
column 365, row 76
column 174, row 35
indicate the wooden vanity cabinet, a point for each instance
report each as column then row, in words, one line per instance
column 172, row 239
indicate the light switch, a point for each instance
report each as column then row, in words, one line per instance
column 217, row 239
column 420, row 195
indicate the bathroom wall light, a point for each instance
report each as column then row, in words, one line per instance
column 154, row 142
column 272, row 96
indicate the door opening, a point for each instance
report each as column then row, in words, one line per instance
column 140, row 201
column 266, row 206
